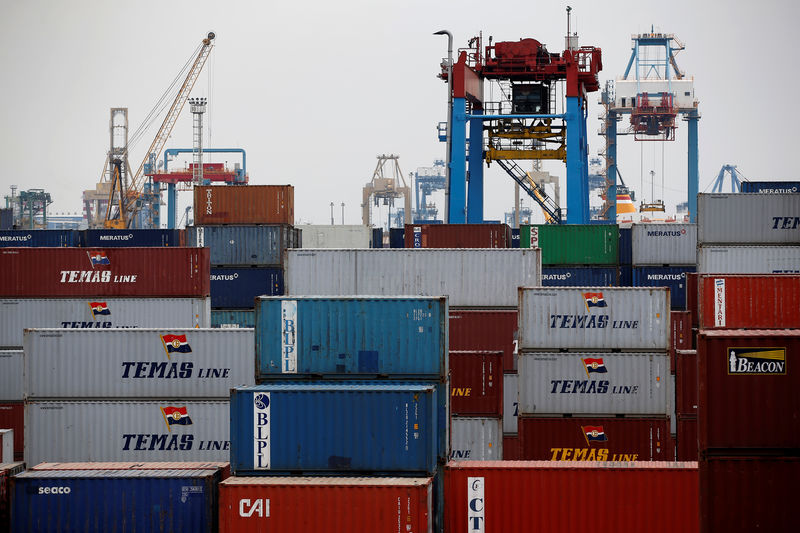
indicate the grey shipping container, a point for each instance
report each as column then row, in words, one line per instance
column 166, row 430
column 137, row 363
column 748, row 259
column 16, row 314
column 470, row 277
column 244, row 245
column 510, row 402
column 664, row 244
column 476, row 439
column 754, row 218
column 337, row 236
column 11, row 365
column 594, row 384
column 6, row 448
column 594, row 318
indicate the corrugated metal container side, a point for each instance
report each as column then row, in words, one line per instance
column 595, row 439
column 485, row 278
column 748, row 259
column 337, row 236
column 238, row 287
column 573, row 244
column 692, row 303
column 674, row 278
column 6, row 445
column 12, row 415
column 346, row 336
column 397, row 238
column 686, row 383
column 748, row 383
column 664, row 244
column 166, row 430
column 510, row 402
column 244, row 204
column 626, row 276
column 377, row 427
column 770, row 187
column 476, row 383
column 377, row 238
column 76, row 272
column 657, row 497
column 7, row 471
column 457, row 236
column 244, row 245
column 6, row 218
column 224, row 468
column 485, row 330
column 594, row 383
column 332, row 504
column 625, row 246
column 687, row 438
column 39, row 238
column 511, row 451
column 98, row 313
column 594, row 318
column 137, row 363
column 577, row 276
column 115, row 500
column 111, row 238
column 233, row 318
column 738, row 218
column 514, row 238
column 749, row 302
column 746, row 494
column 476, row 439
column 681, row 334
column 11, row 372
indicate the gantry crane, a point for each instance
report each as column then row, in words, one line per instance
column 388, row 185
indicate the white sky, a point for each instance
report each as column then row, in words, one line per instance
column 315, row 90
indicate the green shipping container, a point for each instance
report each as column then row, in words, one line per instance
column 573, row 244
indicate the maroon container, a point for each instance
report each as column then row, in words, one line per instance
column 747, row 494
column 75, row 272
column 476, row 383
column 485, row 330
column 595, row 439
column 12, row 415
column 749, row 301
column 687, row 438
column 243, row 204
column 511, row 451
column 749, row 390
column 681, row 332
column 457, row 236
column 686, row 383
column 7, row 470
column 692, row 296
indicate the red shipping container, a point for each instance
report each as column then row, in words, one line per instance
column 7, row 470
column 687, row 438
column 510, row 496
column 686, row 383
column 314, row 504
column 746, row 494
column 485, row 330
column 595, row 439
column 12, row 416
column 749, row 389
column 681, row 332
column 692, row 296
column 476, row 383
column 244, row 204
column 75, row 272
column 749, row 301
column 511, row 451
column 457, row 236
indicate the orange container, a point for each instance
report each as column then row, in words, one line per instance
column 243, row 204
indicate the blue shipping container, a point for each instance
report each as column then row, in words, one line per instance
column 39, row 238
column 672, row 277
column 227, row 318
column 114, row 500
column 244, row 245
column 626, row 276
column 237, row 287
column 377, row 238
column 116, row 238
column 625, row 246
column 771, row 187
column 334, row 427
column 397, row 238
column 6, row 218
column 578, row 276
column 515, row 237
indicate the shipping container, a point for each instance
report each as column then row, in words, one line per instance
column 105, row 430
column 397, row 238
column 749, row 302
column 510, row 402
column 748, row 259
column 337, row 236
column 7, row 471
column 511, row 451
column 545, row 496
column 692, row 304
column 771, row 187
column 39, row 238
column 238, row 287
column 578, row 276
column 330, row 504
column 746, row 494
column 476, row 439
column 514, row 238
column 664, row 244
column 377, row 238
column 244, row 204
column 594, row 383
column 748, row 389
column 476, row 383
column 115, row 500
column 6, row 445
column 137, row 363
column 625, row 246
column 471, row 278
column 674, row 278
column 485, row 330
column 12, row 416
column 244, row 245
column 626, row 276
column 457, row 236
column 233, row 318
column 573, row 244
column 223, row 467
column 681, row 334
column 594, row 318
column 344, row 336
column 737, row 218
column 100, row 312
column 110, row 238
column 687, row 438
column 77, row 272
column 686, row 383
column 6, row 218
column 378, row 427
column 11, row 372
column 595, row 439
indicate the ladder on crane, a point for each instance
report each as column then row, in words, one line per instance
column 552, row 212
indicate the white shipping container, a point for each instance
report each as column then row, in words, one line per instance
column 476, row 439
column 166, row 430
column 17, row 314
column 748, row 259
column 754, row 218
column 664, row 244
column 594, row 384
column 510, row 402
column 341, row 236
column 594, row 318
column 478, row 277
column 6, row 445
column 137, row 363
column 11, row 373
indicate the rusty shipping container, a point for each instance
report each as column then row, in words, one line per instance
column 511, row 451
column 245, row 204
column 749, row 301
column 12, row 416
column 748, row 390
column 76, row 272
column 476, row 383
column 457, row 236
column 490, row 329
column 687, row 439
column 501, row 496
column 686, row 382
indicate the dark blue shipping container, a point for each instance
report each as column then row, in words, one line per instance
column 397, row 238
column 228, row 318
column 515, row 237
column 237, row 287
column 244, row 245
column 771, row 187
column 6, row 218
column 116, row 238
column 377, row 238
column 672, row 277
column 323, row 427
column 39, row 238
column 626, row 276
column 114, row 500
column 578, row 276
column 625, row 246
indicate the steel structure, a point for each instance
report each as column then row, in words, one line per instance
column 426, row 181
column 734, row 174
column 386, row 184
column 33, row 203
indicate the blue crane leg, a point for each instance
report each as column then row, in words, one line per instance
column 458, row 163
column 475, row 187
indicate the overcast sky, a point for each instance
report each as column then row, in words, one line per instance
column 315, row 90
